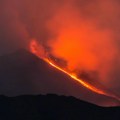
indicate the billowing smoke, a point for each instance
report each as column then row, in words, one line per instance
column 85, row 33
column 87, row 38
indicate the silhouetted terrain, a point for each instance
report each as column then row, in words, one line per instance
column 53, row 107
column 23, row 73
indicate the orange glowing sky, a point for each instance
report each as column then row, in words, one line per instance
column 83, row 33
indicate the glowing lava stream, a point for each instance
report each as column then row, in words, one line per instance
column 92, row 88
column 75, row 78
column 35, row 50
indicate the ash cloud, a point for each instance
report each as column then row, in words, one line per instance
column 87, row 38
column 89, row 29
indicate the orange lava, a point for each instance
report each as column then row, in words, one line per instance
column 75, row 78
column 35, row 49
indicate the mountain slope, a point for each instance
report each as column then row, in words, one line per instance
column 23, row 73
column 53, row 107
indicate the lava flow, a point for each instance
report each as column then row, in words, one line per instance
column 36, row 49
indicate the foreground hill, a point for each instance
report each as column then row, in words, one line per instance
column 53, row 107
column 24, row 73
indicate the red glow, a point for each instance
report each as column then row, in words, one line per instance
column 75, row 78
column 34, row 48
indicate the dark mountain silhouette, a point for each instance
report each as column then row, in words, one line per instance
column 23, row 73
column 53, row 107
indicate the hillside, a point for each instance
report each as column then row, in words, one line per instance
column 53, row 107
column 22, row 73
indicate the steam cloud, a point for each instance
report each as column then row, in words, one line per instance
column 85, row 33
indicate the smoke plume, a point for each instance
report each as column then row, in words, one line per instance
column 84, row 33
column 86, row 37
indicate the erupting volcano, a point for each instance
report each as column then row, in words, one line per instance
column 39, row 51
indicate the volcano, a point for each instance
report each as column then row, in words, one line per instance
column 24, row 73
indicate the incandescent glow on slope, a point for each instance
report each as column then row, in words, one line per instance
column 37, row 49
column 75, row 78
